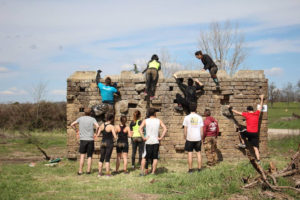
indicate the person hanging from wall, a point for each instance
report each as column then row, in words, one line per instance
column 152, row 76
column 252, row 122
column 210, row 135
column 108, row 135
column 210, row 65
column 136, row 138
column 189, row 91
column 122, row 143
column 107, row 92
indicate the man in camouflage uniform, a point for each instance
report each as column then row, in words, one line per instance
column 211, row 132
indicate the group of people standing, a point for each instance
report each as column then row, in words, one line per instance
column 145, row 135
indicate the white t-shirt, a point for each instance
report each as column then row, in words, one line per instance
column 152, row 130
column 193, row 122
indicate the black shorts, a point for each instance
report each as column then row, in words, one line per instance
column 152, row 151
column 253, row 138
column 191, row 145
column 87, row 147
column 122, row 147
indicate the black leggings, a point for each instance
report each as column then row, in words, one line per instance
column 135, row 145
column 106, row 151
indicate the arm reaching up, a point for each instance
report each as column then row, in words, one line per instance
column 98, row 77
column 261, row 102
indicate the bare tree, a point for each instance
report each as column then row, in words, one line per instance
column 168, row 64
column 226, row 44
column 39, row 92
column 289, row 92
column 273, row 93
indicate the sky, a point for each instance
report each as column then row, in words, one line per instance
column 44, row 42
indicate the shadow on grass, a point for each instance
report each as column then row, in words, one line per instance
column 161, row 170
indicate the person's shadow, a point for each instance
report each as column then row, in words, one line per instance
column 161, row 170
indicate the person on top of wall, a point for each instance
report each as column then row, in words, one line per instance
column 152, row 75
column 107, row 92
column 210, row 65
column 190, row 93
column 252, row 122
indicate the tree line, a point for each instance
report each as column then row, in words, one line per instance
column 289, row 93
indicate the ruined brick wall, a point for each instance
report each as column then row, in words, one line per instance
column 241, row 90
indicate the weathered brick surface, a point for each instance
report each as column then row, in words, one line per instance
column 241, row 90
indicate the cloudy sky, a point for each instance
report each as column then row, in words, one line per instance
column 46, row 41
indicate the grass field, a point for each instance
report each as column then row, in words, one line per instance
column 19, row 181
column 279, row 114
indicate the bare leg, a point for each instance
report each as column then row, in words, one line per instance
column 241, row 139
column 118, row 161
column 107, row 167
column 89, row 164
column 199, row 159
column 143, row 165
column 81, row 162
column 154, row 166
column 100, row 167
column 256, row 153
column 125, row 155
column 190, row 160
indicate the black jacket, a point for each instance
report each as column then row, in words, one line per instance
column 208, row 62
column 190, row 92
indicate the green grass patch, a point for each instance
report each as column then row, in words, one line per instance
column 19, row 181
column 281, row 110
column 15, row 142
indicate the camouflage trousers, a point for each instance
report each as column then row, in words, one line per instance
column 210, row 148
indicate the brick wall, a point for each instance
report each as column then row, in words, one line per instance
column 241, row 90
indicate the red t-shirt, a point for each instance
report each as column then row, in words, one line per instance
column 252, row 121
column 211, row 127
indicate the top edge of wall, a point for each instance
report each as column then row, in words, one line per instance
column 91, row 75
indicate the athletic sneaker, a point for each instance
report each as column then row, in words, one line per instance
column 258, row 162
column 88, row 172
column 242, row 146
column 199, row 170
column 78, row 173
column 126, row 172
column 179, row 108
column 152, row 98
column 100, row 174
column 142, row 174
column 190, row 171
